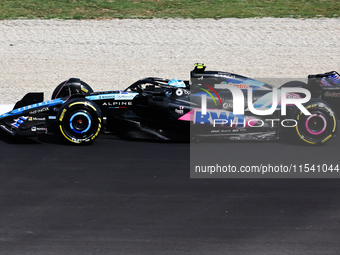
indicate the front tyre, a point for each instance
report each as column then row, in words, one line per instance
column 79, row 121
column 320, row 126
column 70, row 87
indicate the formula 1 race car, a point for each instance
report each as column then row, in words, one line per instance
column 156, row 108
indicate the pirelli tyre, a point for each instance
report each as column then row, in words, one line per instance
column 79, row 121
column 294, row 84
column 70, row 87
column 320, row 126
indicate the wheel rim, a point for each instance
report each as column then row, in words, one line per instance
column 80, row 122
column 316, row 124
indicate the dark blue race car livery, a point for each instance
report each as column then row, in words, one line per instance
column 164, row 109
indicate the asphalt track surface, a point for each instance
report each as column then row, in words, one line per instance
column 132, row 197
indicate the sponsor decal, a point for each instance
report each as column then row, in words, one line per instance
column 239, row 85
column 221, row 117
column 115, row 96
column 292, row 95
column 80, row 140
column 332, row 94
column 181, row 92
column 326, row 139
column 180, row 110
column 85, row 90
column 227, row 105
column 325, row 82
column 119, row 103
column 124, row 96
column 33, row 107
column 335, row 78
column 222, row 74
column 209, row 93
column 34, row 129
column 168, row 92
column 44, row 109
column 19, row 121
column 62, row 114
column 36, row 119
column 99, row 127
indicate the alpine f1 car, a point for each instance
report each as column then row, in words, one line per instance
column 156, row 108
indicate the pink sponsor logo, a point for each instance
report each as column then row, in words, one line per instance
column 239, row 85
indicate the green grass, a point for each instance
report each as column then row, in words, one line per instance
column 102, row 9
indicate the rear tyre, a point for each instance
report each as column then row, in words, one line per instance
column 79, row 121
column 320, row 126
column 295, row 84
